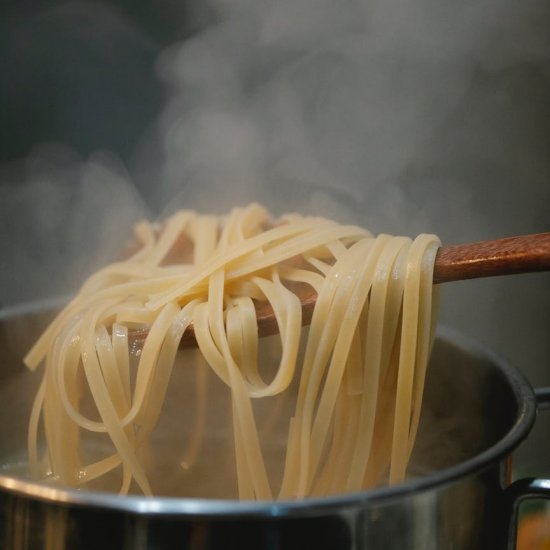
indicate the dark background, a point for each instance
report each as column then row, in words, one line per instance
column 82, row 73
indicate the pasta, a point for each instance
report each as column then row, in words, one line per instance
column 358, row 369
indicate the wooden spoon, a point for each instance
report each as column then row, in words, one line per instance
column 523, row 254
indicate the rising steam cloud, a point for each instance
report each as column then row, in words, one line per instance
column 402, row 116
column 354, row 109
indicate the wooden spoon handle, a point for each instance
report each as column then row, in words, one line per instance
column 523, row 254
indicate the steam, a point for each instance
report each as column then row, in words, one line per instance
column 69, row 213
column 405, row 117
column 344, row 106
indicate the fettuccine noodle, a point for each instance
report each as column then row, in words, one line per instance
column 359, row 368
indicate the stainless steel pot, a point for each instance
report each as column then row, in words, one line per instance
column 477, row 410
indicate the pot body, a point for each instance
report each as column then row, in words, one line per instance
column 465, row 514
column 476, row 411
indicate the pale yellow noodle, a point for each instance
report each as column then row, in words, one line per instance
column 358, row 383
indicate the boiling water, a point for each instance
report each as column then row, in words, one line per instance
column 191, row 451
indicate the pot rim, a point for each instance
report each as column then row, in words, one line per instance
column 214, row 508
